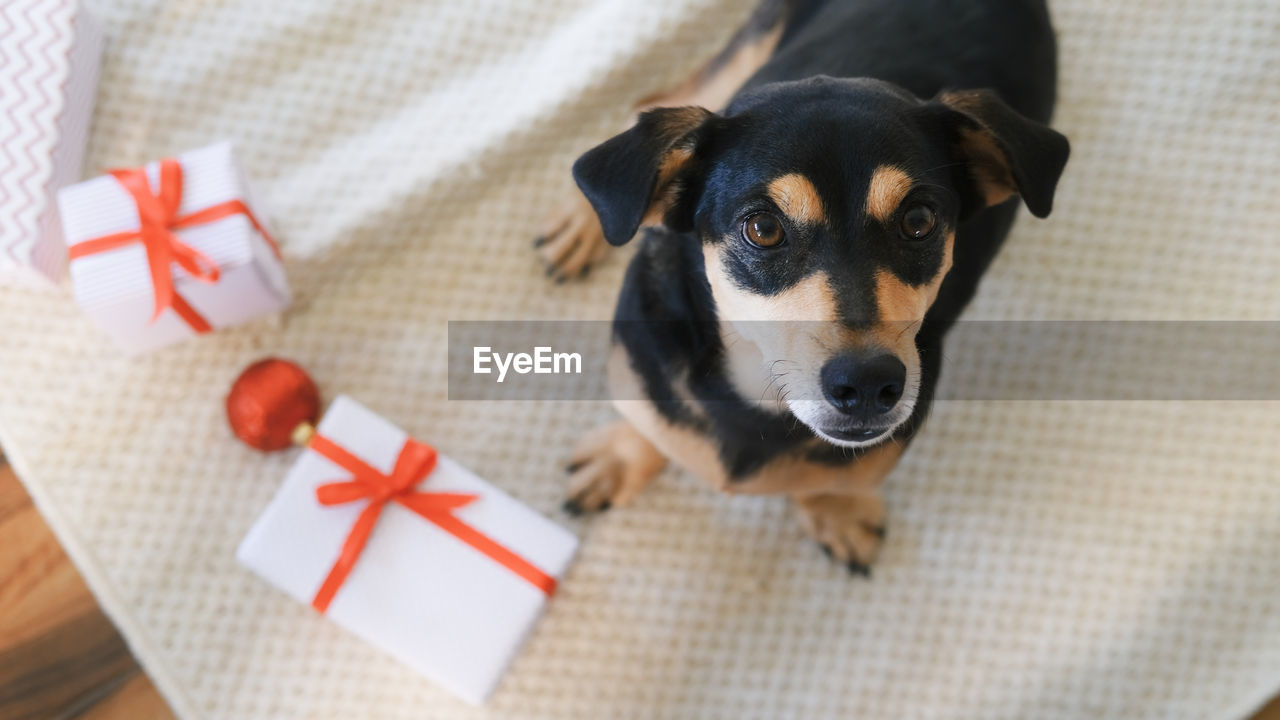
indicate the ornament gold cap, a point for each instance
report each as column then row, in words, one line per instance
column 302, row 434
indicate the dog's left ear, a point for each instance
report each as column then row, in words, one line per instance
column 1006, row 153
column 639, row 177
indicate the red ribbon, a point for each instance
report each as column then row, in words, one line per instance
column 157, row 220
column 415, row 462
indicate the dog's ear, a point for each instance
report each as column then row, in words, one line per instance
column 638, row 177
column 1004, row 152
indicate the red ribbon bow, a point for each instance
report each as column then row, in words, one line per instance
column 415, row 462
column 157, row 220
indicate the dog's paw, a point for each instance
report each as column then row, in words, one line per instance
column 610, row 466
column 849, row 528
column 571, row 241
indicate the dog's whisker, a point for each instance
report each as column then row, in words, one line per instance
column 910, row 325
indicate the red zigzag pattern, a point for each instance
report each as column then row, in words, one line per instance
column 33, row 70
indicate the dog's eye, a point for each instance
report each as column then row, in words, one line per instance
column 918, row 222
column 762, row 230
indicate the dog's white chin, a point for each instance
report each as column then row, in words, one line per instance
column 839, row 442
column 817, row 414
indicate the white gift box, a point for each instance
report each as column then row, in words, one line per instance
column 418, row 591
column 49, row 56
column 114, row 287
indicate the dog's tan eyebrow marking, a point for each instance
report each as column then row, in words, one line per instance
column 795, row 195
column 889, row 185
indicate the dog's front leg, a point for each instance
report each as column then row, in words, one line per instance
column 847, row 518
column 610, row 466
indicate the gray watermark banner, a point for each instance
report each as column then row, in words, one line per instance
column 982, row 360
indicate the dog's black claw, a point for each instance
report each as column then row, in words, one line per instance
column 572, row 506
column 539, row 241
column 826, row 550
column 560, row 279
column 878, row 531
column 605, row 505
column 572, row 468
column 585, row 270
column 858, row 568
column 551, row 270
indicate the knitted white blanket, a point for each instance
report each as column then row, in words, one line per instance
column 1045, row 560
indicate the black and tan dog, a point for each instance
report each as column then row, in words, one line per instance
column 807, row 247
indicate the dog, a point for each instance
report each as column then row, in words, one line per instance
column 818, row 204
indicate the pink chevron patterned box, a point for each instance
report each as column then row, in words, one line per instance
column 49, row 56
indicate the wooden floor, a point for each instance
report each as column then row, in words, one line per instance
column 60, row 657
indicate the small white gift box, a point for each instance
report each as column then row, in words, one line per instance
column 409, row 550
column 174, row 249
column 49, row 58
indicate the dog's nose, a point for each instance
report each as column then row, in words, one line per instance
column 869, row 387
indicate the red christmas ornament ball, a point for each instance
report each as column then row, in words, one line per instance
column 268, row 402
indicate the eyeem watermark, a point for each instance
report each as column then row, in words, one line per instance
column 985, row 360
column 543, row 361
